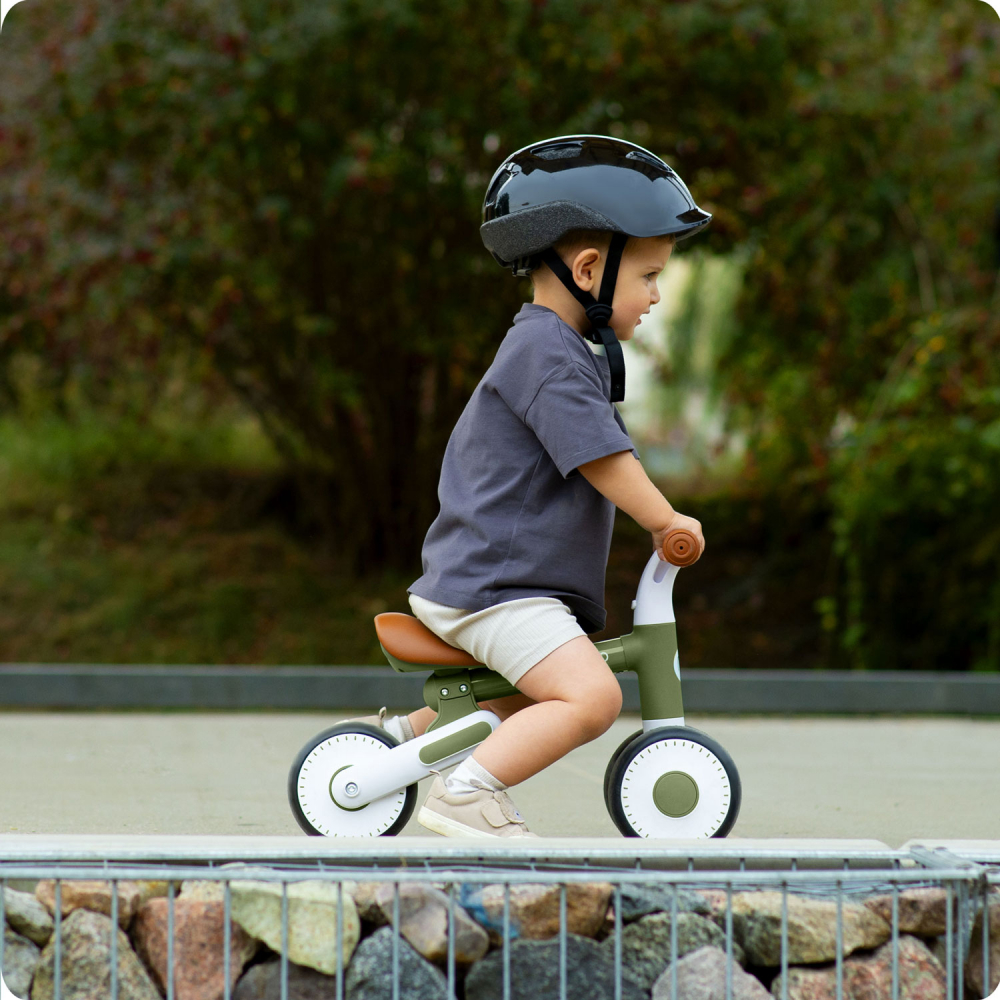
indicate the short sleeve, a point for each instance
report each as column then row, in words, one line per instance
column 574, row 420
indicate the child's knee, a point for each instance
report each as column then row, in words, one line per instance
column 612, row 704
column 601, row 707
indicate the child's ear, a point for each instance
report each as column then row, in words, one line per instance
column 584, row 265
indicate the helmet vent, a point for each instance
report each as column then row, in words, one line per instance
column 649, row 160
column 564, row 151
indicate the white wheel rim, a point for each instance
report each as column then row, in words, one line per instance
column 704, row 768
column 313, row 789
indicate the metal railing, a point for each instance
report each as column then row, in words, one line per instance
column 827, row 875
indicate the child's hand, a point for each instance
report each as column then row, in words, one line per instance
column 678, row 521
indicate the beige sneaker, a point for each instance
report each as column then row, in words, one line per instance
column 482, row 813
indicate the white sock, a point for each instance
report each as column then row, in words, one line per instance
column 469, row 776
column 394, row 727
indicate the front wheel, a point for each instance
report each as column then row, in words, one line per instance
column 672, row 782
column 312, row 774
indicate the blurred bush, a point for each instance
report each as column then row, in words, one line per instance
column 293, row 190
column 283, row 199
column 867, row 368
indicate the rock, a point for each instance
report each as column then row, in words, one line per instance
column 204, row 890
column 921, row 911
column 312, row 920
column 215, row 890
column 608, row 926
column 974, row 963
column 701, row 975
column 939, row 949
column 646, row 944
column 534, row 909
column 199, row 949
column 27, row 916
column 812, row 928
column 364, row 899
column 151, row 890
column 86, row 963
column 805, row 983
column 263, row 982
column 369, row 976
column 716, row 901
column 534, row 973
column 639, row 900
column 20, row 956
column 423, row 921
column 869, row 976
column 89, row 894
column 921, row 975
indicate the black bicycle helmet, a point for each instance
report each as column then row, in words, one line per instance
column 547, row 189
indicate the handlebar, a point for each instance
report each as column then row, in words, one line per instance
column 681, row 548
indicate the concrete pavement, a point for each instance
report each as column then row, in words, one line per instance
column 887, row 779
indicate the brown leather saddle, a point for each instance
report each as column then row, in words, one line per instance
column 415, row 646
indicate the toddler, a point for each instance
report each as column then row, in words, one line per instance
column 514, row 563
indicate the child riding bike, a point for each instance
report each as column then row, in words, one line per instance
column 514, row 563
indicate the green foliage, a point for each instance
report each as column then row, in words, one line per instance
column 294, row 190
column 162, row 542
column 184, row 586
column 915, row 519
column 285, row 198
column 866, row 366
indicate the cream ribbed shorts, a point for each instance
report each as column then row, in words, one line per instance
column 509, row 638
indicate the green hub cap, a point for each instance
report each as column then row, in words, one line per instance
column 675, row 794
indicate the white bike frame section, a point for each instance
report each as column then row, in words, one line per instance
column 654, row 600
column 360, row 784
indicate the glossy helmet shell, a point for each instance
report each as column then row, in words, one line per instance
column 547, row 189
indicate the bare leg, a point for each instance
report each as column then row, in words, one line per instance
column 503, row 707
column 506, row 707
column 421, row 719
column 574, row 699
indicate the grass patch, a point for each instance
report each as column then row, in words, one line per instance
column 180, row 590
column 134, row 542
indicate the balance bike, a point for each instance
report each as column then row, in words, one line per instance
column 666, row 780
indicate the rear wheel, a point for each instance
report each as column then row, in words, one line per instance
column 311, row 777
column 672, row 782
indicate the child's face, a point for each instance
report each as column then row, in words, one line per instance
column 635, row 291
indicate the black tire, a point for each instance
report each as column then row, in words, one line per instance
column 611, row 763
column 720, row 780
column 378, row 733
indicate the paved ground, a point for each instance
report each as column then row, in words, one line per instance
column 218, row 773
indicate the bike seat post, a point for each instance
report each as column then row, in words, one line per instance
column 450, row 694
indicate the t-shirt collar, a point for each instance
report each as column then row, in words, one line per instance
column 532, row 309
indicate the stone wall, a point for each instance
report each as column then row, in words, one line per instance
column 367, row 950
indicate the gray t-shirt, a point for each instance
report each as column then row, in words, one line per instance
column 517, row 519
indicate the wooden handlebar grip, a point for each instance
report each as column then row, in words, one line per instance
column 680, row 547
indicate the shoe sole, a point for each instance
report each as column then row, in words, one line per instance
column 436, row 823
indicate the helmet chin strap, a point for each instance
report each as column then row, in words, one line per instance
column 598, row 311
